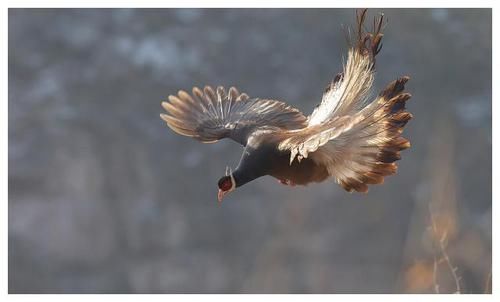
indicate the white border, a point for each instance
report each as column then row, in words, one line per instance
column 259, row 3
column 254, row 3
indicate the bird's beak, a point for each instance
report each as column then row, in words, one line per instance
column 220, row 195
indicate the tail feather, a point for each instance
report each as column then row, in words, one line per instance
column 368, row 151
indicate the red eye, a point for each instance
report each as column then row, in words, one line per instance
column 226, row 184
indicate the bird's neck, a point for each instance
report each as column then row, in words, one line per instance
column 244, row 175
column 255, row 162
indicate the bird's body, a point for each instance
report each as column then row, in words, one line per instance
column 347, row 137
column 261, row 156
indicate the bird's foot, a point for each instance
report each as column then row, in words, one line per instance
column 286, row 182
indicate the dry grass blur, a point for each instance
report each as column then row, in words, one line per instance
column 104, row 198
column 435, row 270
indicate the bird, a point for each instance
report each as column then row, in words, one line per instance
column 349, row 137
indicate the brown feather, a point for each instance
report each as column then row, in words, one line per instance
column 360, row 149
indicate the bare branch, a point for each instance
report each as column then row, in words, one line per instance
column 434, row 276
column 442, row 249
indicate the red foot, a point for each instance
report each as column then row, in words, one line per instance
column 286, row 182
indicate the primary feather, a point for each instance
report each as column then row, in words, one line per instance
column 346, row 95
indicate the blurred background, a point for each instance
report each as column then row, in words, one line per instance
column 104, row 198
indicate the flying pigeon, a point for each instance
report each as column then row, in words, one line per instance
column 348, row 137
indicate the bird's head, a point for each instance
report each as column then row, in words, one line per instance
column 226, row 184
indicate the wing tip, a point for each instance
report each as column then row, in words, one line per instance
column 165, row 105
column 163, row 116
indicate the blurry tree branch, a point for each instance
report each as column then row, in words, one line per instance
column 441, row 245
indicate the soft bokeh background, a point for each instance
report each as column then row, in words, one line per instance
column 104, row 198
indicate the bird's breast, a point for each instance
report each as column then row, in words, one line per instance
column 301, row 173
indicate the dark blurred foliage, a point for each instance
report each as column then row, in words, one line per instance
column 104, row 198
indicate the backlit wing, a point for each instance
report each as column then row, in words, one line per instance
column 209, row 115
column 360, row 149
column 355, row 140
column 348, row 92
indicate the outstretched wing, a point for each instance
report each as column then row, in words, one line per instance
column 355, row 140
column 347, row 93
column 210, row 115
column 360, row 149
